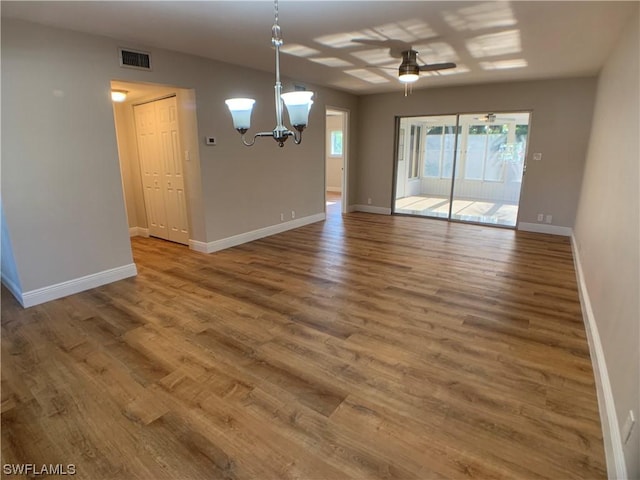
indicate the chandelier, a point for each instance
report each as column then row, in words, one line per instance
column 298, row 103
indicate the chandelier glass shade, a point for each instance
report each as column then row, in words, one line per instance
column 240, row 109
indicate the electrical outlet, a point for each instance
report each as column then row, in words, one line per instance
column 210, row 140
column 368, row 201
column 540, row 217
column 282, row 217
column 627, row 428
column 548, row 219
column 293, row 214
column 537, row 157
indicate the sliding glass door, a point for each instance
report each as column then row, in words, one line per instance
column 462, row 167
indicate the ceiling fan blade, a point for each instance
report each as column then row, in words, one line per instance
column 436, row 66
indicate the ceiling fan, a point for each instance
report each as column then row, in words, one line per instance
column 409, row 70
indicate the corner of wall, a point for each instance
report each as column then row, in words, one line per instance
column 9, row 271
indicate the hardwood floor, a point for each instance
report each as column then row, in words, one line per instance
column 363, row 347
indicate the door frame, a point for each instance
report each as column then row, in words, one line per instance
column 189, row 144
column 345, row 113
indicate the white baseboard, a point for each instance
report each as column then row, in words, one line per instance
column 138, row 232
column 370, row 209
column 199, row 246
column 217, row 245
column 545, row 228
column 59, row 290
column 614, row 453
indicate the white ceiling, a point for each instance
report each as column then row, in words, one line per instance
column 490, row 41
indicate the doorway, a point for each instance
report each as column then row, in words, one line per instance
column 156, row 132
column 336, row 157
column 461, row 167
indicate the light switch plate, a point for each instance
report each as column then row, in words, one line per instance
column 537, row 157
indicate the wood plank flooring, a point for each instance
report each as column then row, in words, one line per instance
column 362, row 347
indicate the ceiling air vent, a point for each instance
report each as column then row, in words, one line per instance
column 134, row 59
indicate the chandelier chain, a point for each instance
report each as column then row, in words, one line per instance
column 276, row 33
column 275, row 10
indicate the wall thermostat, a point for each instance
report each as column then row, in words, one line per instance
column 210, row 140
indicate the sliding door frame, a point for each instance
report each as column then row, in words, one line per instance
column 397, row 123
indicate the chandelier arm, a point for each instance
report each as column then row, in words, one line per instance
column 259, row 134
column 249, row 144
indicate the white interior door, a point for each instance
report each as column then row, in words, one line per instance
column 162, row 173
column 173, row 175
column 150, row 166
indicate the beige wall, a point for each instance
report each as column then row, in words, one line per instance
column 560, row 125
column 334, row 163
column 61, row 185
column 607, row 230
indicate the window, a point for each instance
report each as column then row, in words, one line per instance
column 439, row 148
column 336, row 143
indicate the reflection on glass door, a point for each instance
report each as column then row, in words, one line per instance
column 487, row 153
column 423, row 186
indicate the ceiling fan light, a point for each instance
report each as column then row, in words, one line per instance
column 408, row 77
column 408, row 72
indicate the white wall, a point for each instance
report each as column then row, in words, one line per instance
column 61, row 185
column 607, row 230
column 560, row 124
column 334, row 163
